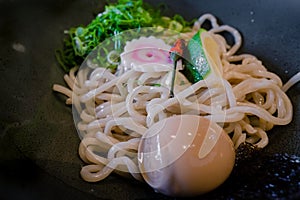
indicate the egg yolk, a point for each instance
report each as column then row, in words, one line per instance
column 185, row 155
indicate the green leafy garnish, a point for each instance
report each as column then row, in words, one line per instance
column 117, row 17
column 197, row 67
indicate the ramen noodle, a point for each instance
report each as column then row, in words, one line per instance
column 115, row 109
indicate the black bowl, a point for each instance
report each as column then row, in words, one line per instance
column 38, row 140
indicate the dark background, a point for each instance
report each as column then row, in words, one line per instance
column 38, row 141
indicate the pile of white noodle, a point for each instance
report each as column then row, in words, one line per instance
column 115, row 110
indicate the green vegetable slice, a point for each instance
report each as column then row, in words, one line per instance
column 197, row 67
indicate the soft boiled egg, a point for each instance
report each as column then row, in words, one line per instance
column 185, row 155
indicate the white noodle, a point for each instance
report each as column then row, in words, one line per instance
column 116, row 109
column 292, row 81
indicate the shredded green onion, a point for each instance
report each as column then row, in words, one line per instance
column 117, row 17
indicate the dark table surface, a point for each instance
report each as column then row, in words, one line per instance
column 38, row 140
